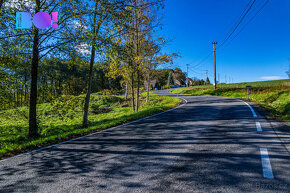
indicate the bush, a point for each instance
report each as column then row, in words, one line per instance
column 165, row 87
column 99, row 102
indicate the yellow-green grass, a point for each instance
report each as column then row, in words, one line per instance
column 272, row 95
column 61, row 120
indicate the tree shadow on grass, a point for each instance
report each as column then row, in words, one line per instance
column 203, row 149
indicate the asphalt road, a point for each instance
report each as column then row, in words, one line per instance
column 209, row 144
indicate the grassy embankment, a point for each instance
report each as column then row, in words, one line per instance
column 61, row 119
column 274, row 96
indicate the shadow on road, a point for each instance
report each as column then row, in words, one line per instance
column 206, row 145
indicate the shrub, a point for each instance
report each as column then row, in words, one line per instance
column 165, row 87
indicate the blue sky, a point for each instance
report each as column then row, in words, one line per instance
column 259, row 52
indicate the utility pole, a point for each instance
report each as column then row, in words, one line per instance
column 206, row 74
column 214, row 58
column 288, row 72
column 187, row 81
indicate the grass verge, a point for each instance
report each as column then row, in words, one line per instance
column 274, row 96
column 61, row 120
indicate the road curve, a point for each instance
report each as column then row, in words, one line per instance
column 209, row 144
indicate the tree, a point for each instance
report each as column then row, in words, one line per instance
column 288, row 71
column 1, row 3
column 170, row 79
column 178, row 74
column 207, row 82
column 34, row 44
column 33, row 130
column 136, row 50
column 106, row 14
column 120, row 64
column 48, row 47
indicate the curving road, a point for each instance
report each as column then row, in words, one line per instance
column 209, row 144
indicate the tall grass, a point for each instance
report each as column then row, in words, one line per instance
column 272, row 95
column 61, row 119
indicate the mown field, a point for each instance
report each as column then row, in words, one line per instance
column 274, row 96
column 61, row 119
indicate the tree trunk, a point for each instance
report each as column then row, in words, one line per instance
column 25, row 88
column 14, row 98
column 138, row 91
column 52, row 87
column 22, row 96
column 132, row 90
column 87, row 99
column 25, row 94
column 17, row 92
column 46, row 87
column 126, row 91
column 33, row 129
column 148, row 86
column 59, row 87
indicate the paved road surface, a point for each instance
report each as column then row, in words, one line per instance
column 210, row 144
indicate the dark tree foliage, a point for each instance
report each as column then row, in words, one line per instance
column 207, row 82
column 170, row 79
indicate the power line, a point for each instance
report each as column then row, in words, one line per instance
column 203, row 60
column 241, row 19
column 251, row 19
column 195, row 72
column 238, row 18
column 242, row 16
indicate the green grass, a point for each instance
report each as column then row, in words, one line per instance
column 61, row 119
column 274, row 96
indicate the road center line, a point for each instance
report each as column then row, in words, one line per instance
column 258, row 125
column 267, row 169
column 254, row 113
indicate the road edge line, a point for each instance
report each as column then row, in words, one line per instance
column 266, row 164
column 251, row 108
column 258, row 126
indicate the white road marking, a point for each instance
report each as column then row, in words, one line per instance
column 258, row 125
column 183, row 99
column 254, row 113
column 267, row 169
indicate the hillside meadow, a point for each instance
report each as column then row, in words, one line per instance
column 274, row 96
